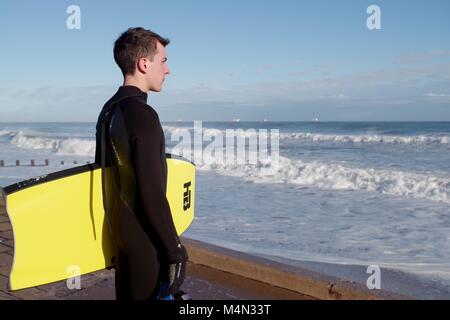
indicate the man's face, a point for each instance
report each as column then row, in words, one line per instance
column 158, row 69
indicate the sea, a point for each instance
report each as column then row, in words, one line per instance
column 344, row 193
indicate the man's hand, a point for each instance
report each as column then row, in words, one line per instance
column 176, row 275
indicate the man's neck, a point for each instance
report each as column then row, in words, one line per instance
column 131, row 81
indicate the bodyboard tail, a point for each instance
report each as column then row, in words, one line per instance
column 59, row 224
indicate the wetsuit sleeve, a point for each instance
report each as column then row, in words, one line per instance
column 151, row 180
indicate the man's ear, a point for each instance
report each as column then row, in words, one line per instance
column 143, row 64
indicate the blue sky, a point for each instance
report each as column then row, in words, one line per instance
column 281, row 60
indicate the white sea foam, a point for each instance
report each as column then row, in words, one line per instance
column 6, row 132
column 340, row 177
column 325, row 175
column 242, row 133
column 369, row 138
column 69, row 146
column 337, row 138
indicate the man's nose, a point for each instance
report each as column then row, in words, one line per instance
column 167, row 71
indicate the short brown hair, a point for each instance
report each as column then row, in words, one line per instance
column 133, row 44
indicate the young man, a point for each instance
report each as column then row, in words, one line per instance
column 130, row 140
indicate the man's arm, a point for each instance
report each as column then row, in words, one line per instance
column 150, row 177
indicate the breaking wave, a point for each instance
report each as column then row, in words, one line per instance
column 340, row 177
column 66, row 146
column 388, row 139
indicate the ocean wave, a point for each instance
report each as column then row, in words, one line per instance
column 317, row 137
column 325, row 175
column 68, row 146
column 369, row 138
column 169, row 130
column 340, row 177
column 177, row 131
column 6, row 132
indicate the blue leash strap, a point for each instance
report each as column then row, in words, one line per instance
column 161, row 291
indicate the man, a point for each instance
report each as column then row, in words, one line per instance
column 130, row 140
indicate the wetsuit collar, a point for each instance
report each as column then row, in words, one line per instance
column 132, row 90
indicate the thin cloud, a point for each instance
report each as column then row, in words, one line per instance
column 382, row 86
column 437, row 95
column 421, row 57
column 438, row 98
column 368, row 90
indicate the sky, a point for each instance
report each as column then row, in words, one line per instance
column 247, row 59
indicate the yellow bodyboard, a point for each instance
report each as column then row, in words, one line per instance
column 59, row 223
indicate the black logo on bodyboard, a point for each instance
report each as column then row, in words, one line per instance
column 187, row 196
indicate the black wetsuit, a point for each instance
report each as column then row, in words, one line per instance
column 140, row 218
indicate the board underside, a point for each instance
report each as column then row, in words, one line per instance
column 60, row 229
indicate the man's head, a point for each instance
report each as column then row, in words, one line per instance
column 141, row 55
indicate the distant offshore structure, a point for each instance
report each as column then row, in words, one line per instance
column 235, row 119
column 315, row 119
column 265, row 120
